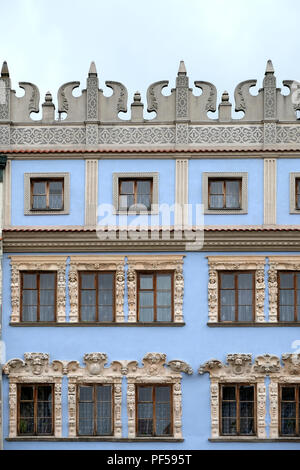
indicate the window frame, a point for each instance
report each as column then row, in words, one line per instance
column 35, row 402
column 224, row 181
column 37, row 273
column 155, row 273
column 47, row 181
column 237, row 387
column 207, row 177
column 297, row 400
column 236, row 290
column 135, row 194
column 96, row 273
column 29, row 178
column 94, row 385
column 154, row 386
column 295, row 320
column 294, row 177
column 117, row 177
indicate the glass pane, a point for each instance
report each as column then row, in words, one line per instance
column 164, row 314
column 47, row 281
column 85, row 427
column 228, row 409
column 227, row 313
column 145, row 410
column 245, row 297
column 228, row 393
column 47, row 313
column 143, row 187
column 104, row 427
column 162, row 394
column 216, row 187
column 227, row 297
column 163, row 411
column 39, row 187
column 163, row 281
column 246, row 426
column 246, row 393
column 105, row 297
column 87, row 281
column 298, row 202
column 145, row 394
column 88, row 297
column 288, row 410
column 228, row 426
column 245, row 281
column 55, row 187
column 26, row 409
column 216, row 202
column 146, row 299
column 29, row 297
column 146, row 314
column 227, row 281
column 105, row 313
column 145, row 427
column 104, row 392
column 29, row 281
column 44, row 426
column 146, row 281
column 85, row 393
column 44, row 393
column 127, row 187
column 103, row 409
column 245, row 313
column 286, row 297
column 29, row 313
column 286, row 280
column 232, row 194
column 55, row 202
column 86, row 410
column 144, row 200
column 163, row 427
column 126, row 201
column 288, row 426
column 288, row 393
column 26, row 426
column 246, row 409
column 39, row 202
column 286, row 313
column 44, row 409
column 88, row 313
column 47, row 297
column 163, row 298
column 105, row 281
column 26, row 393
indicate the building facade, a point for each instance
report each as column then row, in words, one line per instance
column 151, row 268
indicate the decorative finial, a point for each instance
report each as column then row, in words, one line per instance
column 4, row 70
column 269, row 67
column 48, row 97
column 93, row 70
column 137, row 97
column 225, row 97
column 182, row 69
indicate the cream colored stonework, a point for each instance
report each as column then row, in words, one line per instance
column 38, row 263
column 236, row 263
column 155, row 263
column 96, row 263
column 35, row 369
column 91, row 192
column 270, row 190
column 154, row 371
column 278, row 263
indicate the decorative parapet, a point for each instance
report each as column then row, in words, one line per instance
column 35, row 369
column 38, row 263
column 97, row 263
column 155, row 370
column 155, row 263
column 236, row 263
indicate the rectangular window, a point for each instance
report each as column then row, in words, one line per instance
column 47, row 194
column 135, row 194
column 224, row 193
column 236, row 294
column 297, row 188
column 35, row 410
column 238, row 410
column 154, row 410
column 97, row 296
column 155, row 296
column 289, row 410
column 95, row 410
column 38, row 296
column 289, row 296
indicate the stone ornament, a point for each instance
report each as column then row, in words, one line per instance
column 96, row 263
column 35, row 369
column 38, row 263
column 236, row 263
column 155, row 263
column 155, row 370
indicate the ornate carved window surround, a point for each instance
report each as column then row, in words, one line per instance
column 279, row 263
column 235, row 263
column 38, row 263
column 136, row 175
column 48, row 176
column 243, row 176
column 154, row 372
column 35, row 369
column 162, row 263
column 96, row 263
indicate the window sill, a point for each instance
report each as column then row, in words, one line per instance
column 46, row 212
column 254, row 439
column 92, row 324
column 251, row 324
column 93, row 439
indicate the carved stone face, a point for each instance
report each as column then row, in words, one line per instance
column 130, row 276
column 37, row 366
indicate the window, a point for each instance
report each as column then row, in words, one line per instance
column 289, row 416
column 236, row 293
column 35, row 410
column 95, row 410
column 97, row 296
column 155, row 294
column 238, row 410
column 297, row 184
column 46, row 193
column 224, row 194
column 135, row 193
column 289, row 296
column 38, row 296
column 154, row 410
column 294, row 193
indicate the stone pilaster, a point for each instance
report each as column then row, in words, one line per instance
column 181, row 191
column 91, row 192
column 270, row 176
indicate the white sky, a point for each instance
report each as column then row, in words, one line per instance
column 138, row 42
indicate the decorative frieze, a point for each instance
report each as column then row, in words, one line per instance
column 155, row 263
column 96, row 263
column 38, row 263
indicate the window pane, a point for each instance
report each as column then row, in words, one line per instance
column 47, row 313
column 245, row 297
column 126, row 201
column 44, row 426
column 163, row 394
column 246, row 426
column 227, row 281
column 145, row 427
column 26, row 426
column 164, row 314
column 44, row 393
column 105, row 313
column 146, row 281
column 88, row 297
column 47, row 297
column 286, row 297
column 29, row 313
column 103, row 409
column 145, row 393
column 104, row 392
column 55, row 202
column 216, row 187
column 286, row 280
column 47, row 281
column 26, row 393
column 288, row 410
column 145, row 410
column 228, row 393
column 286, row 313
column 229, row 426
column 246, row 409
column 246, row 393
column 44, row 409
column 105, row 297
column 163, row 299
column 39, row 187
column 163, row 411
column 85, row 393
column 227, row 313
column 127, row 187
column 86, row 410
column 87, row 281
column 105, row 281
column 245, row 313
column 144, row 200
column 85, row 427
column 27, row 409
column 227, row 297
column 88, row 313
column 229, row 409
column 39, row 202
column 146, row 314
column 288, row 393
column 163, row 427
column 245, row 280
column 146, row 299
column 29, row 281
column 216, row 202
column 288, row 426
column 232, row 194
column 143, row 187
column 29, row 297
column 163, row 281
column 104, row 427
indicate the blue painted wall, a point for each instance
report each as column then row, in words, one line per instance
column 195, row 343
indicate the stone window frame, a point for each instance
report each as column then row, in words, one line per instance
column 173, row 263
column 96, row 263
column 155, row 192
column 155, row 371
column 35, row 369
column 243, row 176
column 55, row 263
column 27, row 193
column 94, row 372
column 239, row 369
column 293, row 177
column 279, row 263
column 236, row 263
